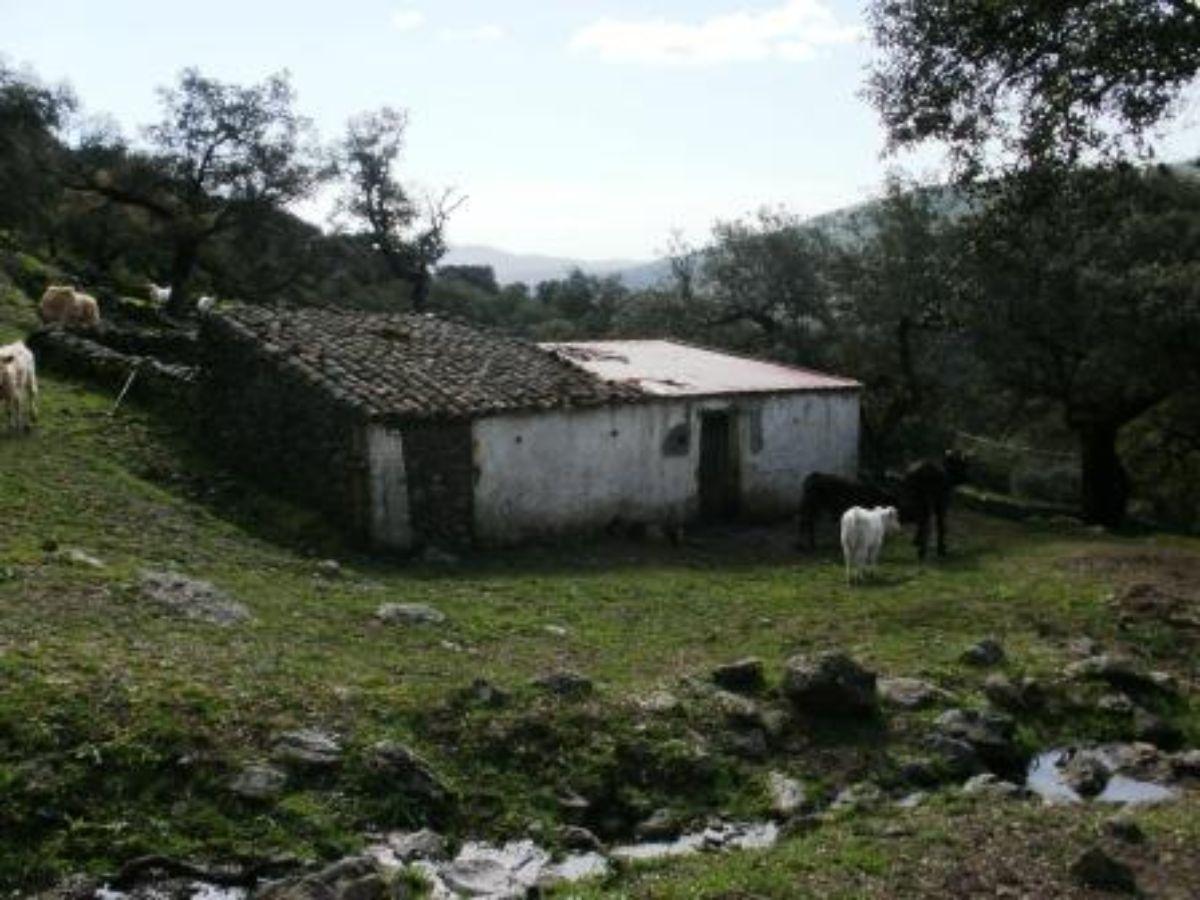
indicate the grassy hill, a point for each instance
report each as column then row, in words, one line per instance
column 122, row 724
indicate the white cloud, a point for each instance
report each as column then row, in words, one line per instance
column 479, row 34
column 792, row 31
column 408, row 19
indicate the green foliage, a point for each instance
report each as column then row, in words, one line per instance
column 1045, row 83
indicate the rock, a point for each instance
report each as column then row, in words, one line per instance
column 922, row 773
column 76, row 557
column 354, row 878
column 748, row 745
column 1187, row 764
column 1002, row 692
column 407, row 772
column 565, row 684
column 739, row 712
column 192, row 598
column 990, row 734
column 957, row 757
column 481, row 870
column 308, row 747
column 658, row 702
column 329, row 568
column 1083, row 646
column 829, row 684
column 1124, row 828
column 409, row 614
column 1085, row 772
column 661, row 826
column 786, row 794
column 485, row 693
column 1096, row 869
column 574, row 837
column 912, row 801
column 572, row 803
column 744, row 675
column 259, row 782
column 556, row 630
column 1117, row 704
column 423, row 844
column 987, row 784
column 987, row 652
column 1121, row 672
column 863, row 795
column 1156, row 730
column 910, row 693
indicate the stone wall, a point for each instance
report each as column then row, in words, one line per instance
column 86, row 354
column 269, row 422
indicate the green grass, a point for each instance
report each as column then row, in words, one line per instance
column 120, row 725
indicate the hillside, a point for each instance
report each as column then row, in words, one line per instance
column 133, row 705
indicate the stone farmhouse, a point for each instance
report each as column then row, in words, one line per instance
column 411, row 430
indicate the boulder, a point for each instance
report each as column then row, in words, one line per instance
column 988, row 785
column 407, row 772
column 786, row 794
column 192, row 598
column 259, row 782
column 1187, row 764
column 575, row 837
column 1156, row 730
column 910, row 693
column 1124, row 828
column 829, row 684
column 409, row 614
column 329, row 568
column 987, row 652
column 1096, row 869
column 990, row 734
column 661, row 826
column 308, row 747
column 354, row 878
column 423, row 844
column 862, row 795
column 565, row 684
column 955, row 757
column 744, row 675
column 1085, row 772
column 1123, row 673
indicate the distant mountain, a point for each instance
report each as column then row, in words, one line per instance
column 532, row 268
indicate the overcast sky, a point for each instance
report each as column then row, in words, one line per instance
column 588, row 128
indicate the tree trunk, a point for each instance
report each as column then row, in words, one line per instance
column 420, row 289
column 182, row 264
column 1105, row 483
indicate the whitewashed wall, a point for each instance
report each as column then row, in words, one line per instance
column 391, row 527
column 553, row 472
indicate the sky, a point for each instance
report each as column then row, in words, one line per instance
column 586, row 128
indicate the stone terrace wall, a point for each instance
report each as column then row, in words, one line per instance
column 266, row 420
column 86, row 354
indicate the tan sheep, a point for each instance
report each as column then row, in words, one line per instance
column 62, row 304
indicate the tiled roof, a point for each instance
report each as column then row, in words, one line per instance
column 417, row 366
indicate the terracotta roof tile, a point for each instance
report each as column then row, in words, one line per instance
column 417, row 366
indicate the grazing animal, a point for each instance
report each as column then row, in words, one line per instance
column 925, row 493
column 159, row 295
column 18, row 385
column 863, row 533
column 63, row 305
column 831, row 495
column 205, row 303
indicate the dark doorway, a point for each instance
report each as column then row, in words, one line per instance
column 718, row 467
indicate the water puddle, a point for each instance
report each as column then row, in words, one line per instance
column 1045, row 778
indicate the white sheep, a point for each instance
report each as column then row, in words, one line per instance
column 159, row 295
column 863, row 533
column 18, row 385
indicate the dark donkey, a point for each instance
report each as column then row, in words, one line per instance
column 831, row 495
column 925, row 492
